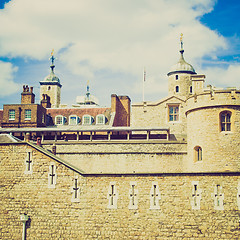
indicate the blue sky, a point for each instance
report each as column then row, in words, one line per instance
column 110, row 42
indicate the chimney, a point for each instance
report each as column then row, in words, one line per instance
column 121, row 106
column 28, row 97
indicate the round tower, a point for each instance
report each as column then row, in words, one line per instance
column 51, row 86
column 213, row 131
column 179, row 77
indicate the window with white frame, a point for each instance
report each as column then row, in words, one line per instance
column 87, row 120
column 100, row 119
column 52, row 175
column 112, row 196
column 154, row 196
column 11, row 114
column 218, row 197
column 59, row 120
column 75, row 190
column 28, row 163
column 133, row 196
column 28, row 114
column 173, row 113
column 196, row 195
column 73, row 120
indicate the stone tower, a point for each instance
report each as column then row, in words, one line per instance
column 179, row 77
column 51, row 86
column 213, row 130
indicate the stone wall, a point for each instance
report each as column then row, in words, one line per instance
column 123, row 157
column 157, row 115
column 54, row 216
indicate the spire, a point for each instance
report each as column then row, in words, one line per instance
column 52, row 58
column 182, row 66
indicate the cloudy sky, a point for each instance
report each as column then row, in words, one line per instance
column 109, row 42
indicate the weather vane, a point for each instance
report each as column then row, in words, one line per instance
column 181, row 40
column 52, row 58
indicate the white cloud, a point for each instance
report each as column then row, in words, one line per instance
column 114, row 36
column 6, row 79
column 220, row 77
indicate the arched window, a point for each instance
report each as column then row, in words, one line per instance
column 190, row 89
column 101, row 119
column 225, row 121
column 176, row 77
column 198, row 154
column 177, row 89
column 87, row 120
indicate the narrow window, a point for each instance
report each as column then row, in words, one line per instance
column 133, row 196
column 176, row 77
column 11, row 114
column 112, row 196
column 190, row 89
column 155, row 196
column 75, row 190
column 218, row 197
column 198, row 154
column 225, row 119
column 52, row 176
column 177, row 89
column 28, row 163
column 28, row 114
column 49, row 88
column 173, row 113
column 196, row 196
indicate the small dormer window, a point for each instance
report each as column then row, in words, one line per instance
column 101, row 119
column 87, row 120
column 59, row 120
column 73, row 120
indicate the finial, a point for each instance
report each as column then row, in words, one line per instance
column 52, row 58
column 88, row 93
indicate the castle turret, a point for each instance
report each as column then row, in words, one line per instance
column 179, row 77
column 51, row 86
column 213, row 131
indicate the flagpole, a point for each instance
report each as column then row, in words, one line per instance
column 144, row 79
